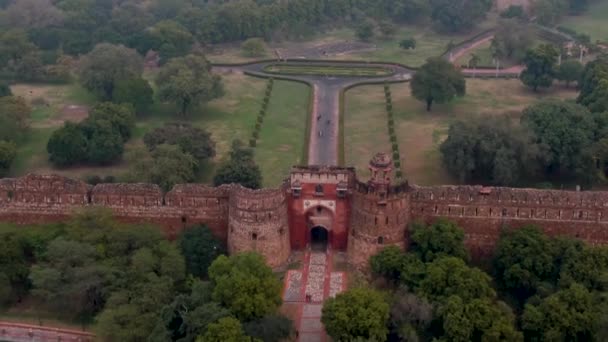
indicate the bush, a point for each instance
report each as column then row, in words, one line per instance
column 397, row 163
column 391, row 131
column 254, row 47
column 396, row 155
column 260, row 119
column 257, row 126
column 395, row 147
column 256, row 134
column 399, row 174
column 67, row 145
column 252, row 142
column 393, row 139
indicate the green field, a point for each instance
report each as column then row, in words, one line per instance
column 282, row 137
column 328, row 70
column 594, row 22
column 230, row 117
column 419, row 132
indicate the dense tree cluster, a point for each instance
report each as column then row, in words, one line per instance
column 240, row 169
column 554, row 140
column 138, row 286
column 548, row 12
column 14, row 123
column 98, row 140
column 35, row 34
column 551, row 289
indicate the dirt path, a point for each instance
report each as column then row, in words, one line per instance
column 18, row 332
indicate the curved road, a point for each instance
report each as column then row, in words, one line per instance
column 325, row 116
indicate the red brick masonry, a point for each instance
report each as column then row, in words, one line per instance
column 360, row 218
column 17, row 332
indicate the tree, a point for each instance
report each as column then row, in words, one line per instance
column 104, row 144
column 254, row 47
column 71, row 282
column 410, row 316
column 594, row 85
column 121, row 117
column 8, row 152
column 166, row 166
column 14, row 45
column 569, row 71
column 437, row 81
column 387, row 28
column 134, row 91
column 450, row 276
column 189, row 315
column 511, row 40
column 356, row 313
column 171, row 39
column 240, row 169
column 15, row 109
column 270, row 328
column 193, row 140
column 227, row 329
column 199, row 247
column 245, row 285
column 524, row 262
column 567, row 315
column 478, row 319
column 365, row 30
column 33, row 14
column 5, row 89
column 493, row 150
column 566, row 129
column 102, row 68
column 441, row 239
column 458, row 16
column 548, row 12
column 540, row 67
column 67, row 145
column 513, row 11
column 188, row 81
column 408, row 43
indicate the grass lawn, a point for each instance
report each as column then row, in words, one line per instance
column 594, row 22
column 420, row 133
column 227, row 118
column 484, row 53
column 327, row 70
column 282, row 137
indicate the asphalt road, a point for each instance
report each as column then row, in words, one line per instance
column 325, row 116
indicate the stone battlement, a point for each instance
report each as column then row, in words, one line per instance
column 359, row 217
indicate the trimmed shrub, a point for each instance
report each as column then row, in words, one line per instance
column 393, row 139
column 397, row 163
column 256, row 134
column 391, row 131
column 395, row 147
column 391, row 122
column 257, row 126
column 399, row 174
column 252, row 142
column 260, row 119
column 396, row 155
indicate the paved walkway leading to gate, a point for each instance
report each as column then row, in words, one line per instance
column 317, row 282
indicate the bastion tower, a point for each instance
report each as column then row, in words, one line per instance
column 380, row 213
column 258, row 222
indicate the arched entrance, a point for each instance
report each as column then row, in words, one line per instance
column 319, row 238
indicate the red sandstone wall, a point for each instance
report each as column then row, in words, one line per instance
column 483, row 212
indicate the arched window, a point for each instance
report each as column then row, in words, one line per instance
column 380, row 240
column 319, row 189
column 254, row 236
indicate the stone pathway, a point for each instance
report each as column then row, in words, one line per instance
column 317, row 281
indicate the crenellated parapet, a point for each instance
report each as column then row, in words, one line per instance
column 39, row 199
column 484, row 211
column 258, row 222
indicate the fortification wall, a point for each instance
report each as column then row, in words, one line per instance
column 41, row 199
column 258, row 222
column 483, row 211
column 50, row 198
column 377, row 220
